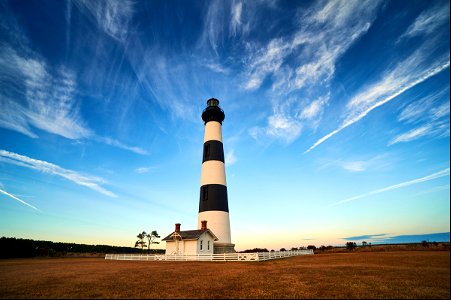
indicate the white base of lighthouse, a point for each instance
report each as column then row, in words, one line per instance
column 218, row 222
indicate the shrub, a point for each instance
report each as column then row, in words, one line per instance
column 351, row 245
column 425, row 243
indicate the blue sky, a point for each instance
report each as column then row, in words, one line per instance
column 337, row 118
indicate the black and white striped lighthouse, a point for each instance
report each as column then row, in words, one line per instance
column 213, row 202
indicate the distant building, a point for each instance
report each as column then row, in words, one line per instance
column 190, row 242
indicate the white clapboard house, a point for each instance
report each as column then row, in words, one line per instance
column 190, row 242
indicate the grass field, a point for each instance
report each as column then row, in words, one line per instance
column 400, row 274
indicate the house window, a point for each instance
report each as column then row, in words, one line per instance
column 208, row 245
column 201, row 245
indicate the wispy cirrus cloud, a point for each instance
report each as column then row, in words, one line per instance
column 112, row 16
column 48, row 99
column 432, row 129
column 324, row 34
column 169, row 80
column 118, row 144
column 214, row 26
column 426, row 108
column 13, row 117
column 17, row 199
column 280, row 126
column 235, row 21
column 215, row 67
column 360, row 164
column 266, row 61
column 225, row 19
column 432, row 117
column 428, row 21
column 408, row 73
column 143, row 170
column 90, row 182
column 313, row 108
column 412, row 134
column 230, row 157
column 440, row 111
column 36, row 96
column 433, row 176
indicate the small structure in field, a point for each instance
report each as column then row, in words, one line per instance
column 190, row 242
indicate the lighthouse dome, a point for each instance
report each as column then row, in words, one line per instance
column 213, row 112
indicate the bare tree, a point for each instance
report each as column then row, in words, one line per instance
column 141, row 242
column 151, row 238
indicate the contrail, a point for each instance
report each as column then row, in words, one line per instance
column 377, row 104
column 442, row 173
column 15, row 198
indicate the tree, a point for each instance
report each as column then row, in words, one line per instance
column 313, row 247
column 141, row 242
column 255, row 250
column 425, row 243
column 151, row 238
column 351, row 245
column 364, row 244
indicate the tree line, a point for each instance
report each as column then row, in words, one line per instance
column 21, row 248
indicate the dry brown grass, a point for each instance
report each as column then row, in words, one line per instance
column 401, row 274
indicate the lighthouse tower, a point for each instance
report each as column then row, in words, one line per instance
column 213, row 202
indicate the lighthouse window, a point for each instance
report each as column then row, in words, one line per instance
column 205, row 193
column 201, row 245
column 206, row 151
column 208, row 245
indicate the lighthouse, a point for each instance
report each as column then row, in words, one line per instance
column 213, row 201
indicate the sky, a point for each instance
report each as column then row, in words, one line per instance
column 336, row 118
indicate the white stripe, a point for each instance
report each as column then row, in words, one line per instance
column 213, row 172
column 213, row 131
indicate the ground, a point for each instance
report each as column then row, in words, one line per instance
column 399, row 274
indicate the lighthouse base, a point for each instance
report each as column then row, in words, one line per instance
column 219, row 248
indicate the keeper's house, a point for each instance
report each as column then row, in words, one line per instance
column 190, row 242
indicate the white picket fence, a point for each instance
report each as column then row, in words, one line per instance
column 258, row 256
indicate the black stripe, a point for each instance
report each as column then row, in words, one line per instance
column 213, row 113
column 213, row 197
column 213, row 150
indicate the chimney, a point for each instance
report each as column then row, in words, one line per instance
column 204, row 225
column 177, row 227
